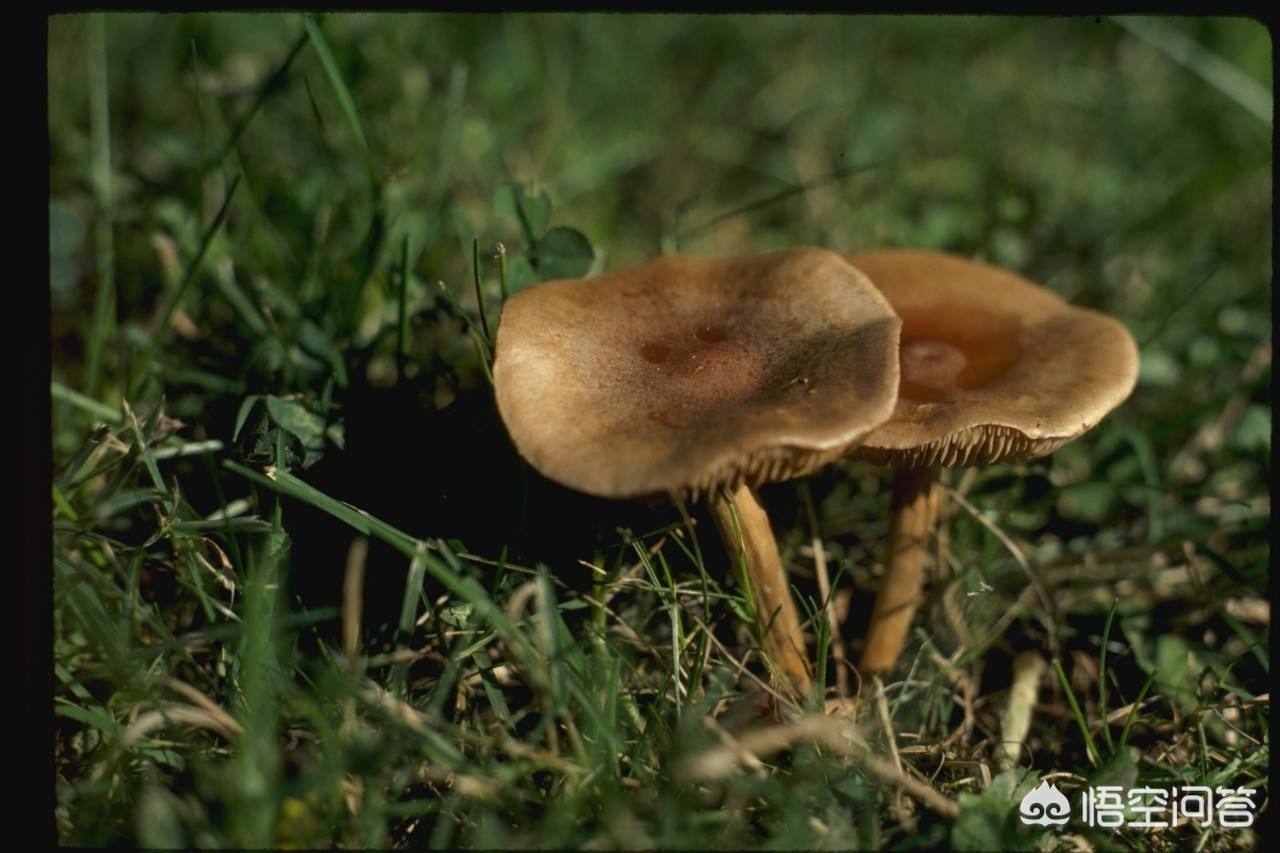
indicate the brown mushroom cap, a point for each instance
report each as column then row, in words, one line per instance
column 993, row 366
column 683, row 374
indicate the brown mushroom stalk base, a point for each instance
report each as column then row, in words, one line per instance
column 776, row 618
column 911, row 521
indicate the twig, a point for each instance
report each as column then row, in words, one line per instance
column 353, row 597
column 886, row 724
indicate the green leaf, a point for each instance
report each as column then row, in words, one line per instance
column 297, row 420
column 456, row 615
column 562, row 253
column 95, row 716
column 337, row 433
column 1012, row 785
column 989, row 821
column 316, row 341
column 979, row 824
column 531, row 210
column 1253, row 432
column 1158, row 369
column 520, row 275
column 1118, row 770
column 1173, row 669
column 84, row 403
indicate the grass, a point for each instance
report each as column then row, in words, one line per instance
column 305, row 592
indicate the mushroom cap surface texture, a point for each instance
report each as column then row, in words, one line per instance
column 993, row 366
column 683, row 374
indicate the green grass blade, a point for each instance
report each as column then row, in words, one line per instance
column 1256, row 647
column 144, row 451
column 1133, row 712
column 463, row 587
column 475, row 277
column 256, row 803
column 166, row 315
column 243, row 305
column 1091, row 748
column 94, row 441
column 1248, row 93
column 1146, row 456
column 1102, row 674
column 84, row 403
column 408, row 618
column 104, row 302
column 502, row 273
column 771, row 199
column 190, row 448
column 340, row 90
column 63, row 505
column 268, row 88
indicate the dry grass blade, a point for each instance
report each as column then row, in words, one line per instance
column 756, row 744
column 886, row 725
column 886, row 722
column 199, row 699
column 1015, row 723
column 474, row 787
column 353, row 597
column 214, row 720
column 838, row 735
column 838, row 655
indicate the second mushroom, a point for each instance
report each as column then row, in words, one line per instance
column 993, row 367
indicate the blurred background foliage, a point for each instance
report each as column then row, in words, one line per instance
column 272, row 223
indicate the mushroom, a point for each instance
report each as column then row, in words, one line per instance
column 993, row 367
column 686, row 377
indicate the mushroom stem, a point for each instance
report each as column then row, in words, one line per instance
column 750, row 541
column 911, row 519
